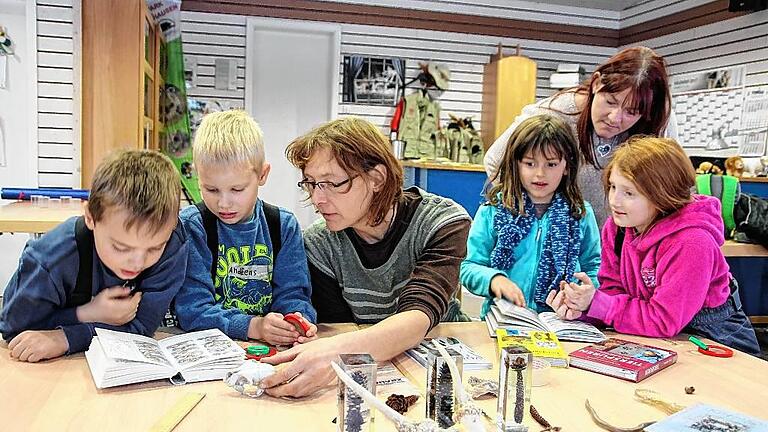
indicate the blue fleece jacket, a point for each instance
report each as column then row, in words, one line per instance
column 35, row 297
column 249, row 282
column 476, row 271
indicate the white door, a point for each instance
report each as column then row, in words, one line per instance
column 292, row 85
column 18, row 137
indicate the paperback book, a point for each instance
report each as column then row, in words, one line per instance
column 623, row 359
column 119, row 358
column 507, row 315
column 471, row 359
column 541, row 344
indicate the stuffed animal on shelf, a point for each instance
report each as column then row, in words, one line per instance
column 763, row 171
column 734, row 166
column 708, row 168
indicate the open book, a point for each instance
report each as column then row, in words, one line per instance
column 118, row 358
column 470, row 358
column 505, row 314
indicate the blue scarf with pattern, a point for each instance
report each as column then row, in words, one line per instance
column 561, row 247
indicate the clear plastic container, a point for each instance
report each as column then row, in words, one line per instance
column 354, row 413
column 441, row 399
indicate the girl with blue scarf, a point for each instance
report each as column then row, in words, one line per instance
column 535, row 230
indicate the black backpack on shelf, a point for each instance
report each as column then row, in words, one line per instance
column 751, row 216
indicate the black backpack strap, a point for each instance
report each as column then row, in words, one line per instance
column 83, row 290
column 211, row 234
column 272, row 214
column 619, row 241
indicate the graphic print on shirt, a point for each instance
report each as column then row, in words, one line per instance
column 244, row 278
column 649, row 276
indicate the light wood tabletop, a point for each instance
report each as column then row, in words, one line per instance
column 60, row 394
column 23, row 217
column 743, row 250
column 442, row 165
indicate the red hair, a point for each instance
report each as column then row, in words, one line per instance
column 636, row 68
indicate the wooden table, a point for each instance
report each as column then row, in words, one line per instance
column 60, row 394
column 23, row 217
column 443, row 165
column 735, row 249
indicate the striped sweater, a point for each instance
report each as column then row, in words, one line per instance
column 421, row 272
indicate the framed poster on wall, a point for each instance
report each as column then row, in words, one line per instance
column 372, row 80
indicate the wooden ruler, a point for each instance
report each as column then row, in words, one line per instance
column 177, row 412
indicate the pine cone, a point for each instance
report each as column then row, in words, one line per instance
column 401, row 403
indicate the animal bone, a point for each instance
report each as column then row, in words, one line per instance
column 247, row 377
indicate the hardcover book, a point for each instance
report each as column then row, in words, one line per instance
column 471, row 359
column 541, row 344
column 118, row 358
column 505, row 314
column 623, row 359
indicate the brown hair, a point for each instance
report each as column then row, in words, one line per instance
column 144, row 183
column 358, row 146
column 545, row 134
column 636, row 68
column 641, row 158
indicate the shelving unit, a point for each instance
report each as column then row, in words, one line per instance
column 121, row 80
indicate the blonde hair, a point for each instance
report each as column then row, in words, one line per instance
column 144, row 183
column 229, row 138
column 641, row 160
column 546, row 134
column 358, row 146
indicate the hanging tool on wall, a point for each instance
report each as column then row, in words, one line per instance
column 6, row 45
column 6, row 50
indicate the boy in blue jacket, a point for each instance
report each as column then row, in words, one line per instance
column 116, row 267
column 258, row 272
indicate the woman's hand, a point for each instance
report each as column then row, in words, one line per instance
column 307, row 368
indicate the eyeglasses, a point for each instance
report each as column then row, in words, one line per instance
column 341, row 187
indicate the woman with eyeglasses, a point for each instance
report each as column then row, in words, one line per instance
column 625, row 96
column 380, row 255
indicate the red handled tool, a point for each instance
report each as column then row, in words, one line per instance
column 298, row 321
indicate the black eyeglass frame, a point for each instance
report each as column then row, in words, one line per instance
column 325, row 185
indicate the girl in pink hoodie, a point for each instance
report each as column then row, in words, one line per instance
column 662, row 271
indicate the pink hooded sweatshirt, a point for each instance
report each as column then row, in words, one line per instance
column 665, row 275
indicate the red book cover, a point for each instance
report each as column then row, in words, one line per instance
column 623, row 359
